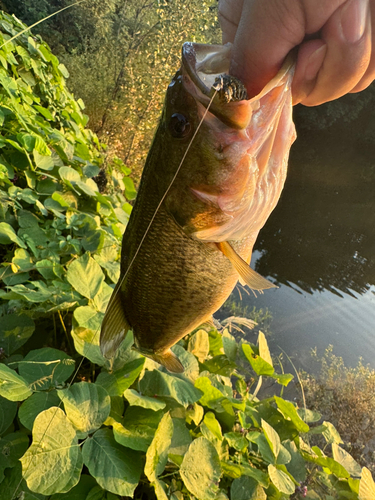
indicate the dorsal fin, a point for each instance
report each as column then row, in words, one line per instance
column 115, row 325
column 248, row 275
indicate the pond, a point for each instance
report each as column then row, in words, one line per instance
column 319, row 243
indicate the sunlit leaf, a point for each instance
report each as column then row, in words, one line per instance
column 135, row 399
column 290, row 413
column 12, row 386
column 87, row 406
column 201, row 477
column 85, row 276
column 54, row 448
column 281, row 480
column 137, row 429
column 157, row 453
column 366, row 486
column 346, row 460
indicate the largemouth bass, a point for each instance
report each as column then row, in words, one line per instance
column 200, row 239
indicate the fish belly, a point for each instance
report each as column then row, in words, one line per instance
column 175, row 284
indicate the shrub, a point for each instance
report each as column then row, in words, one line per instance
column 345, row 397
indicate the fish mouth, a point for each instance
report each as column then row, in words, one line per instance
column 203, row 66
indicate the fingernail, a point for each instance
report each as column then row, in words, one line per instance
column 353, row 19
column 314, row 63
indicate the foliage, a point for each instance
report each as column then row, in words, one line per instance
column 121, row 55
column 131, row 427
column 139, row 429
column 52, row 210
column 345, row 397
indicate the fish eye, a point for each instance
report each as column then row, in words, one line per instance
column 179, row 126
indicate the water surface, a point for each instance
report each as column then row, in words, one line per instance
column 319, row 243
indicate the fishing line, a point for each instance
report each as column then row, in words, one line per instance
column 122, row 279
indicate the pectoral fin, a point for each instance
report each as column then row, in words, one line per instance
column 114, row 327
column 247, row 275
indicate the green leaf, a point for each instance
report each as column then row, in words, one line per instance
column 44, row 162
column 168, row 386
column 86, row 405
column 212, row 425
column 69, row 174
column 12, row 386
column 272, row 437
column 366, row 486
column 201, row 470
column 159, row 487
column 194, row 413
column 296, row 467
column 35, row 404
column 135, row 399
column 157, row 453
column 8, row 410
column 117, row 382
column 15, row 330
column 80, row 491
column 53, row 462
column 309, row 416
column 181, row 438
column 85, row 276
column 8, row 236
column 49, row 269
column 115, row 468
column 46, row 367
column 259, row 365
column 211, row 395
column 281, row 480
column 13, row 482
column 230, row 345
column 199, row 345
column 246, row 488
column 236, row 440
column 44, row 111
column 137, row 429
column 346, row 460
column 289, row 412
column 331, row 434
column 264, row 351
column 12, row 447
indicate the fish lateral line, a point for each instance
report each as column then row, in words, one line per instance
column 250, row 277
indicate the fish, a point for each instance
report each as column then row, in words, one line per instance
column 213, row 175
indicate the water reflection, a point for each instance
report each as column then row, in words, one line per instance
column 319, row 243
column 321, row 235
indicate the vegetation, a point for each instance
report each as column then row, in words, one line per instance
column 121, row 55
column 76, row 427
column 346, row 397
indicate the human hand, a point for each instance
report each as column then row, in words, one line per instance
column 336, row 53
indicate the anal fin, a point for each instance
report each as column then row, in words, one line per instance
column 114, row 327
column 167, row 359
column 247, row 275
